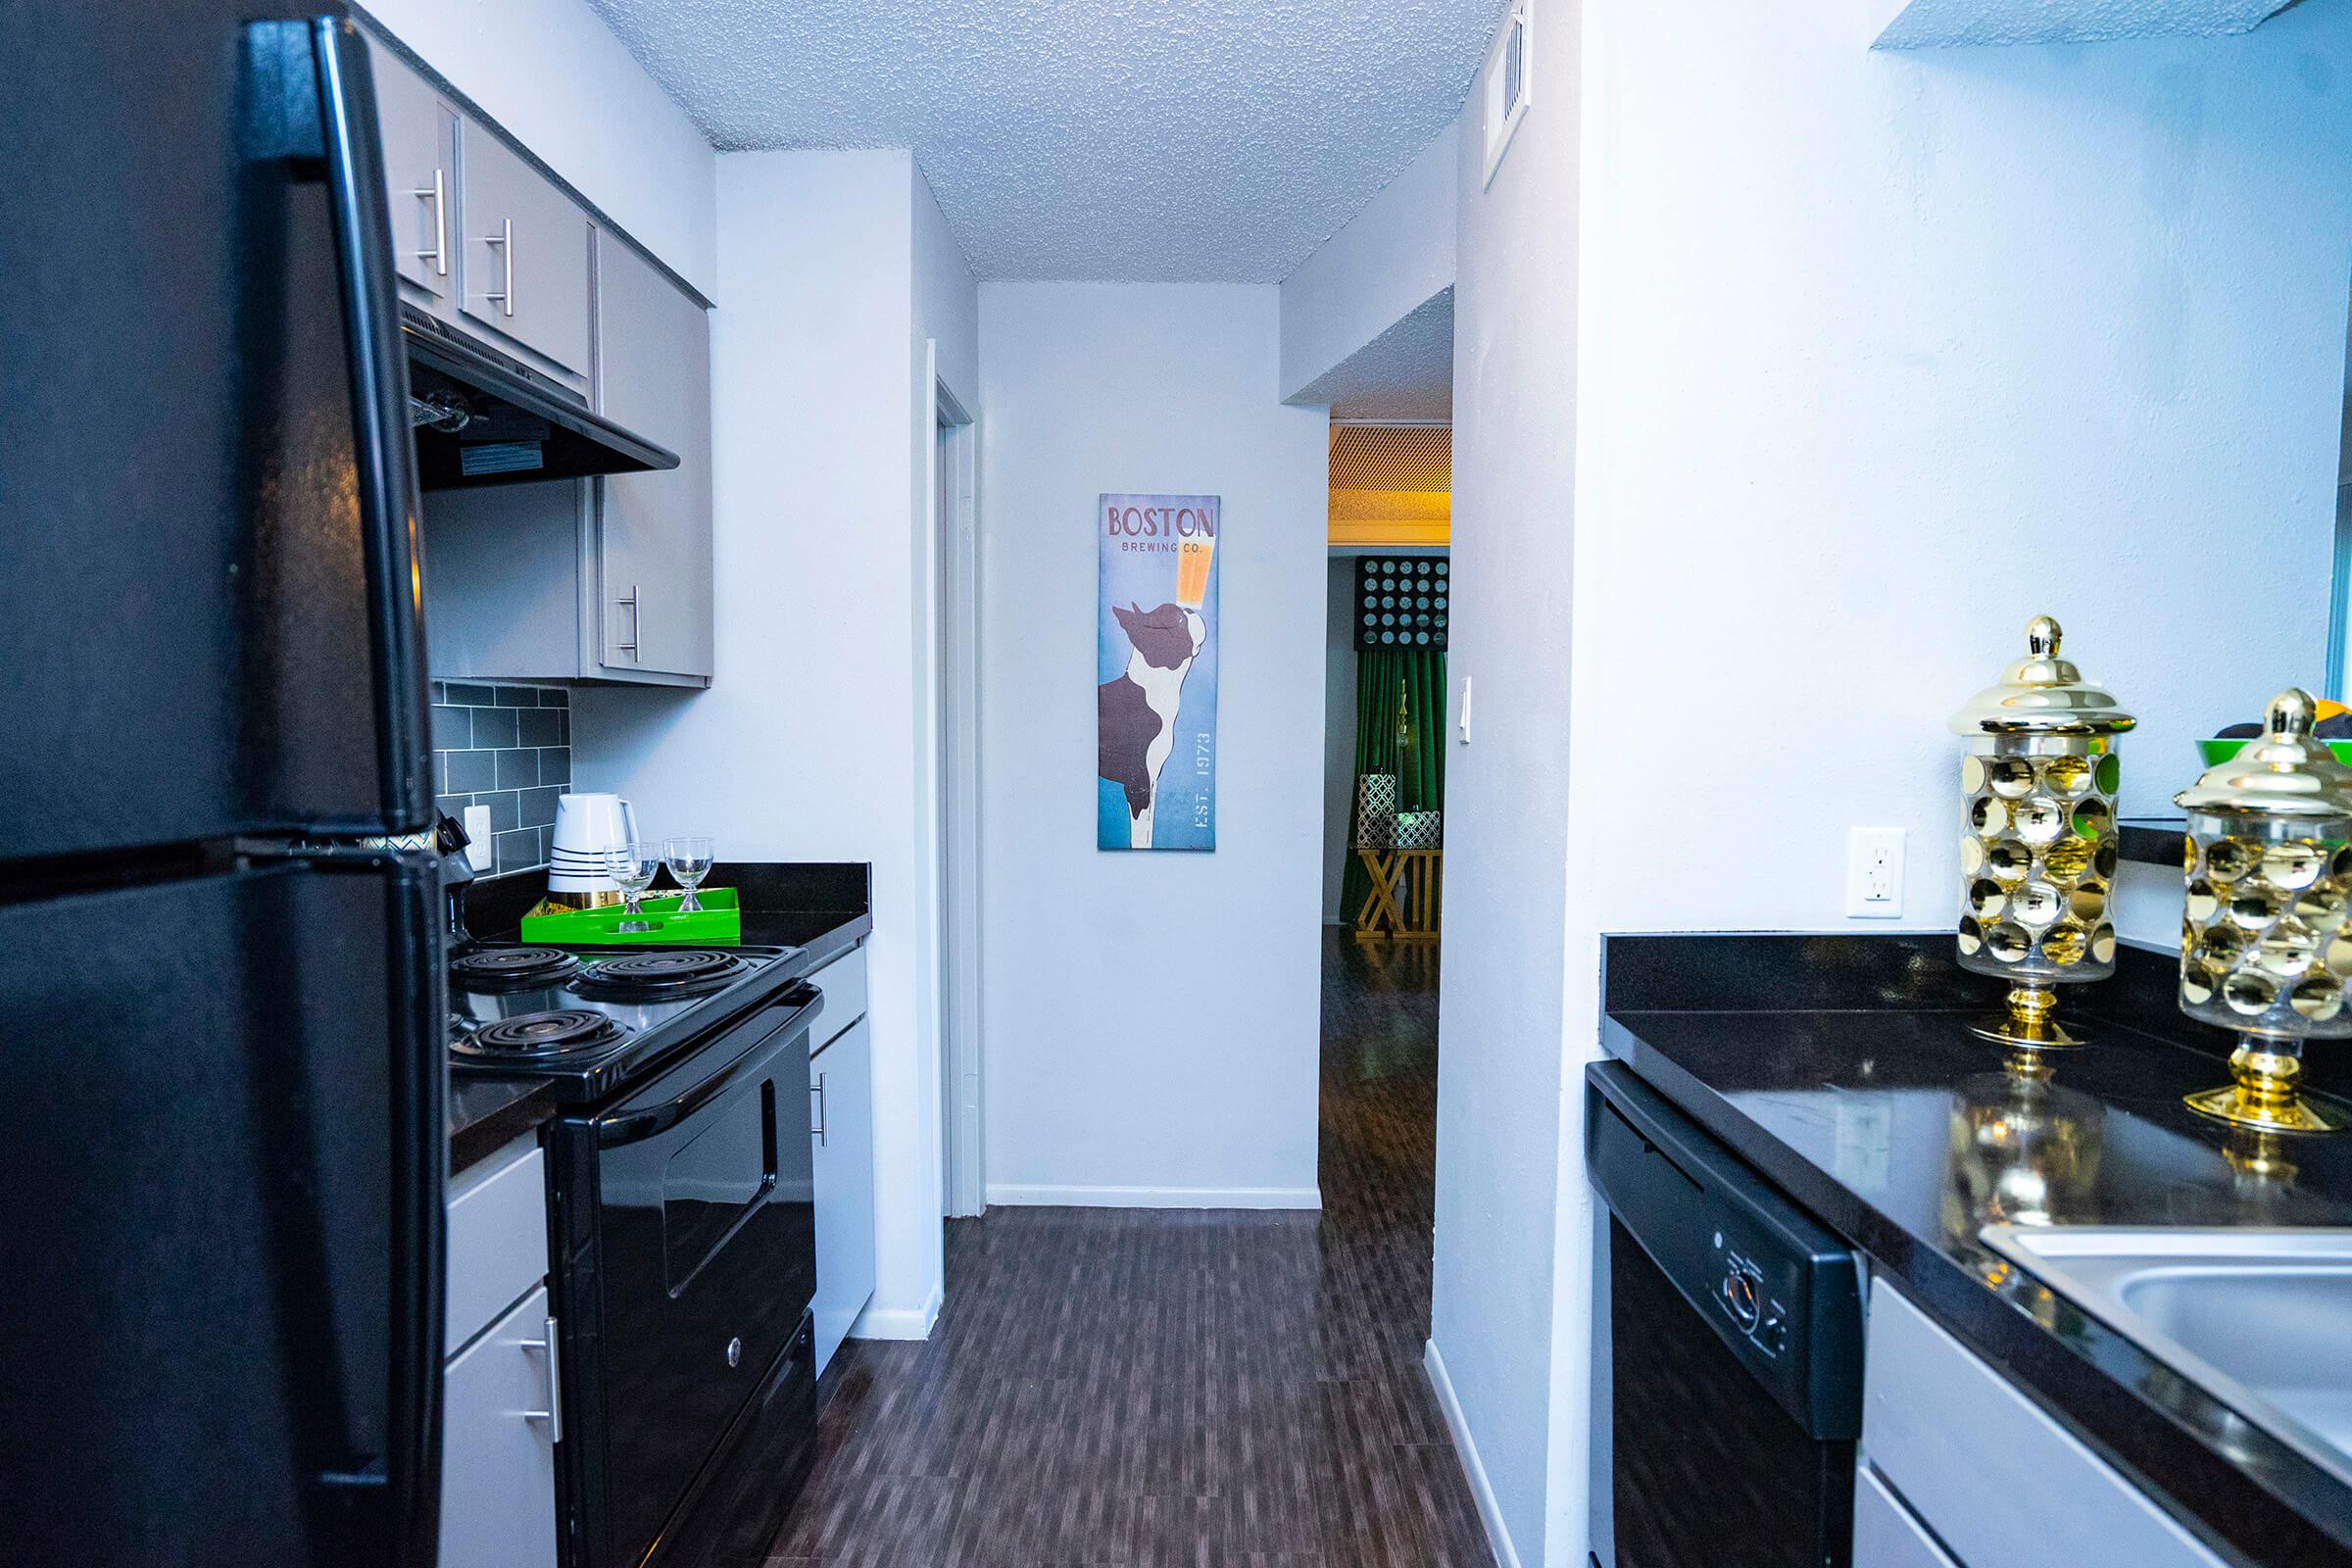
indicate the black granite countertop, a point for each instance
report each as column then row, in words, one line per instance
column 823, row 910
column 1844, row 1069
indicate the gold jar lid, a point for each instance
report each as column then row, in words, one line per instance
column 2282, row 772
column 2042, row 693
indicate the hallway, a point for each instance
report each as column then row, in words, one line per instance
column 1153, row 1388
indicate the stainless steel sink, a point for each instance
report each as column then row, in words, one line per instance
column 2261, row 1319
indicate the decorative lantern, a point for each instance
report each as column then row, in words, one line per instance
column 2038, row 845
column 2266, row 951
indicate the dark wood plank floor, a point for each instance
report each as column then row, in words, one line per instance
column 1156, row 1388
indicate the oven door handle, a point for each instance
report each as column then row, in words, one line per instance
column 639, row 1120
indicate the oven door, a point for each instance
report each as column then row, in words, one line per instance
column 688, row 1274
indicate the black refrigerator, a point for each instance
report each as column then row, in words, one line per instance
column 222, row 1016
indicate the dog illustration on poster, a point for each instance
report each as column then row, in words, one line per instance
column 1155, row 698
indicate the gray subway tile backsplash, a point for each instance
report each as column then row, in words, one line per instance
column 470, row 771
column 508, row 747
column 539, row 806
column 521, row 850
column 495, row 726
column 517, row 769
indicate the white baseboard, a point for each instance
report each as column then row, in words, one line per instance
column 1489, row 1512
column 1155, row 1197
column 898, row 1322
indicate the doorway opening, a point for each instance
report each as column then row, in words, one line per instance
column 1389, row 617
column 1389, row 626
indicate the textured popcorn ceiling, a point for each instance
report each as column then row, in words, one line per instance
column 1404, row 374
column 1934, row 24
column 1202, row 140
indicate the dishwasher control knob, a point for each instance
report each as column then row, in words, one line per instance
column 1740, row 1295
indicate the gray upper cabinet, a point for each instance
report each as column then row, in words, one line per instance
column 420, row 177
column 653, row 375
column 595, row 579
column 522, row 252
column 598, row 579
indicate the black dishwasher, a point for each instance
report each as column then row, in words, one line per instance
column 1731, row 1372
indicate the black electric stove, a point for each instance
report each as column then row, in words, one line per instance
column 591, row 1019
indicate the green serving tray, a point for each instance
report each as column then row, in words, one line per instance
column 717, row 923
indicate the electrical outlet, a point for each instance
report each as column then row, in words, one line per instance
column 479, row 851
column 1873, row 872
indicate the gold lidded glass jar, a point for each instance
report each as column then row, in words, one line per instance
column 2265, row 947
column 2037, row 836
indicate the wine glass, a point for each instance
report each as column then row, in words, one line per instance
column 632, row 868
column 689, row 858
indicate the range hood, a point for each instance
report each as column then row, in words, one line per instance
column 482, row 418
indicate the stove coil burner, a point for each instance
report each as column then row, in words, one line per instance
column 510, row 969
column 534, row 1036
column 650, row 976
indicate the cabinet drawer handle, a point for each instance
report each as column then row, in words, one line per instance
column 553, row 1415
column 816, row 1092
column 503, row 240
column 438, row 192
column 636, row 609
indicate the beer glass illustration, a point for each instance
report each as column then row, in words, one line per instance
column 1193, row 558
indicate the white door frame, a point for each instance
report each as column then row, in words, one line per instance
column 954, row 488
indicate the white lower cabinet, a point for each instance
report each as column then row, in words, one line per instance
column 841, row 1123
column 497, row 1457
column 1998, row 1480
column 1885, row 1536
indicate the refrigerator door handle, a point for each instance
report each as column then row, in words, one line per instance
column 311, row 101
column 385, row 455
column 419, row 1212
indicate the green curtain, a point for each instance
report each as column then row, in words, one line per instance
column 1400, row 729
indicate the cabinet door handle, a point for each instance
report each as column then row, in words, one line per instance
column 503, row 240
column 816, row 1092
column 553, row 1415
column 438, row 193
column 636, row 607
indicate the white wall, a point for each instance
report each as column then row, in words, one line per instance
column 807, row 747
column 1385, row 260
column 552, row 73
column 1879, row 355
column 2011, row 330
column 1501, row 1120
column 1152, row 1019
column 1339, row 732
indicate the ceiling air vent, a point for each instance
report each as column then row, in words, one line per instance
column 1507, row 83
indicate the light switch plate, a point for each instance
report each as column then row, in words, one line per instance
column 1874, row 874
column 1465, row 711
column 479, row 852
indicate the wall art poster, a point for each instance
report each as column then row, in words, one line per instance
column 1155, row 674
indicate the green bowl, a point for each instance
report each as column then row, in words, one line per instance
column 2216, row 753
